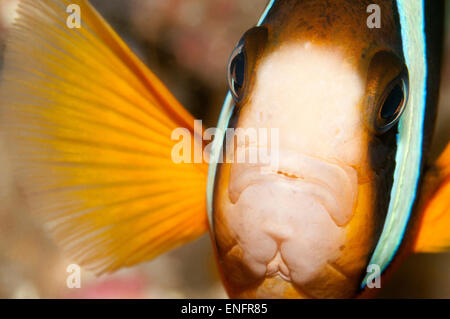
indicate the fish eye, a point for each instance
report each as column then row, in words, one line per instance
column 393, row 104
column 243, row 59
column 236, row 72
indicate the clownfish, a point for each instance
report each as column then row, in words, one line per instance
column 90, row 131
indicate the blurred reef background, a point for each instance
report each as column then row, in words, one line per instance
column 187, row 44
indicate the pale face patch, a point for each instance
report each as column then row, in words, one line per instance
column 291, row 223
column 312, row 95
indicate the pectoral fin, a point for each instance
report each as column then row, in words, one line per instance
column 89, row 129
column 434, row 230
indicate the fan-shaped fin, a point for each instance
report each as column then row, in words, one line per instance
column 89, row 127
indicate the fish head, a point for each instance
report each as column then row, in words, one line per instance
column 302, row 193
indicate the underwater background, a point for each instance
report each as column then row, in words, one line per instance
column 187, row 44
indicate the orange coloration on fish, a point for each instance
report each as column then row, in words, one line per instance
column 90, row 131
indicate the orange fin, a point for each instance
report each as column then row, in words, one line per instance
column 89, row 129
column 434, row 229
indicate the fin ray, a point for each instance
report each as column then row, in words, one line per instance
column 89, row 128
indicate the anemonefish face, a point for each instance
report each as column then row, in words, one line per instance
column 334, row 90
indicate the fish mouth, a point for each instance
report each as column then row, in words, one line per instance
column 332, row 184
column 287, row 221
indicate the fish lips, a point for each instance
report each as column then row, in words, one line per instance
column 333, row 185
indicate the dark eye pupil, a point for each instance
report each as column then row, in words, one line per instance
column 237, row 69
column 392, row 104
column 236, row 72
